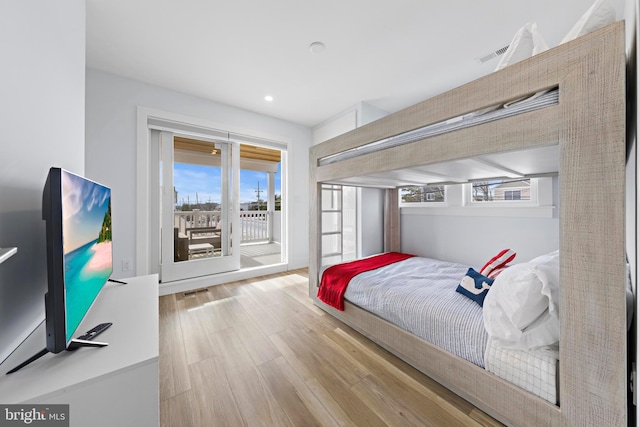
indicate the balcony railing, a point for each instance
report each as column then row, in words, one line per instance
column 254, row 225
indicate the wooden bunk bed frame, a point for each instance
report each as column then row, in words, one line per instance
column 588, row 125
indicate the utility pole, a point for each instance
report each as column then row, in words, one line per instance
column 258, row 191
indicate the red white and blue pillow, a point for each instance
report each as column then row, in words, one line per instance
column 475, row 286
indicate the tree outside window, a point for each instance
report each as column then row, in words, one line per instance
column 423, row 194
column 501, row 190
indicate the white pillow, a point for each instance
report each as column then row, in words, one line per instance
column 600, row 14
column 526, row 43
column 521, row 309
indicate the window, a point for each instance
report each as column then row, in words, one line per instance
column 501, row 190
column 513, row 195
column 423, row 194
column 519, row 197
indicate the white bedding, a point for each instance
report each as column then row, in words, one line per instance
column 419, row 295
column 533, row 370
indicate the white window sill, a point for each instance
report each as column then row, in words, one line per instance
column 502, row 211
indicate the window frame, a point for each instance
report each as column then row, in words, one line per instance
column 532, row 202
column 458, row 202
column 423, row 204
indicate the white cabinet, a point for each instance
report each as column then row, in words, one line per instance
column 115, row 385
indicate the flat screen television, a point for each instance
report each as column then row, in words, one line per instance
column 77, row 212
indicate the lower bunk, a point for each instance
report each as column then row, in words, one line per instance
column 412, row 309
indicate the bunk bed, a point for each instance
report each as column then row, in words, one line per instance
column 578, row 135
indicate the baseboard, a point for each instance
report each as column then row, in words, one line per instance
column 217, row 279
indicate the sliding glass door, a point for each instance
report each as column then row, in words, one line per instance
column 199, row 206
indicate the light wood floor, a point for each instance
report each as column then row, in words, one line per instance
column 259, row 353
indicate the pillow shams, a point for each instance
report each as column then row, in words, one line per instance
column 526, row 43
column 521, row 311
column 600, row 14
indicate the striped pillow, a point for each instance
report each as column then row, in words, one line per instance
column 496, row 271
column 498, row 263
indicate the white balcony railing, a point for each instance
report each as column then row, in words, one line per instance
column 254, row 225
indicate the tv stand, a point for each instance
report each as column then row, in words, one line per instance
column 73, row 345
column 77, row 343
column 33, row 358
column 114, row 386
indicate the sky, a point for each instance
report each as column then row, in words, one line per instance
column 83, row 209
column 190, row 179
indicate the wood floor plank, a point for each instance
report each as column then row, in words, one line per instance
column 258, row 352
column 314, row 346
column 180, row 410
column 334, row 377
column 215, row 404
column 454, row 400
column 258, row 404
column 255, row 341
column 392, row 409
column 306, row 375
column 194, row 333
column 289, row 312
column 288, row 395
column 306, row 393
column 174, row 372
column 263, row 316
column 430, row 407
column 398, row 380
column 230, row 350
column 208, row 310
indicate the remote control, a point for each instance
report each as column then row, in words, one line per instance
column 91, row 334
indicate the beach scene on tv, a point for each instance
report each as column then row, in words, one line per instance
column 86, row 212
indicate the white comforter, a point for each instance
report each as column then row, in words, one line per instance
column 419, row 295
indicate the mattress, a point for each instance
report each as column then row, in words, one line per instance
column 419, row 295
column 535, row 102
column 533, row 370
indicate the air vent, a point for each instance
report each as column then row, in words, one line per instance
column 492, row 55
column 195, row 291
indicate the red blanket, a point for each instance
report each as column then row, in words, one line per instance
column 336, row 278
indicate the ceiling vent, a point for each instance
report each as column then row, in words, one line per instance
column 492, row 55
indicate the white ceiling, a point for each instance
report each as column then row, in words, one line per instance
column 389, row 53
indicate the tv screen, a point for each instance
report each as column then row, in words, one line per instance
column 79, row 254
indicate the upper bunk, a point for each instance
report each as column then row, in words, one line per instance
column 525, row 163
column 451, row 138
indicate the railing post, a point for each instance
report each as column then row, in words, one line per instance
column 271, row 204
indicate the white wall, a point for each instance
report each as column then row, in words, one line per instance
column 371, row 221
column 111, row 103
column 353, row 117
column 42, row 109
column 474, row 240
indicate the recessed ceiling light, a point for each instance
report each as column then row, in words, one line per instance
column 317, row 47
column 268, row 98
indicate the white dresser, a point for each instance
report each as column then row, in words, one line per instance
column 110, row 386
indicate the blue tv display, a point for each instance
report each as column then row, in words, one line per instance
column 77, row 212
